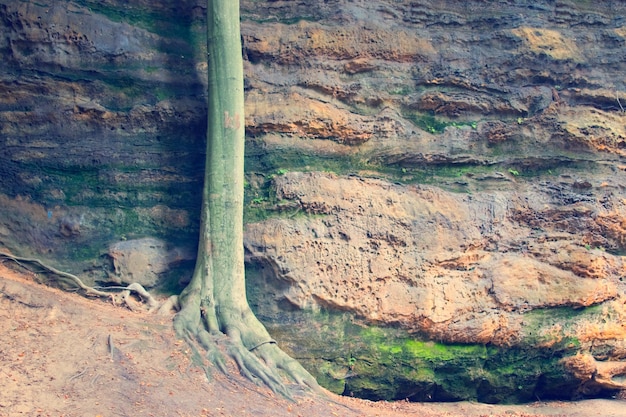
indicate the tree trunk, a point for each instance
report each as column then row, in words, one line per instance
column 214, row 303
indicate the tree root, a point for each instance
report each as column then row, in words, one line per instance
column 257, row 356
column 121, row 298
column 206, row 348
column 168, row 305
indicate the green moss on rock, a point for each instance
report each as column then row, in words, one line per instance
column 378, row 363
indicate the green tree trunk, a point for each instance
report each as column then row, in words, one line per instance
column 214, row 304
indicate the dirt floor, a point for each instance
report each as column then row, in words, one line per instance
column 64, row 355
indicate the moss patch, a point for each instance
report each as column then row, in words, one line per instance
column 432, row 124
column 150, row 19
column 352, row 358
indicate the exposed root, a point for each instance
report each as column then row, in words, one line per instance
column 239, row 337
column 206, row 348
column 111, row 346
column 170, row 304
column 187, row 327
column 138, row 289
column 77, row 375
column 121, row 298
column 73, row 278
column 256, row 370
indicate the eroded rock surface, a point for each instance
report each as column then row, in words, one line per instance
column 459, row 267
column 477, row 150
column 144, row 260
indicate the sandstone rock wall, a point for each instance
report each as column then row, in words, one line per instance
column 460, row 267
column 453, row 169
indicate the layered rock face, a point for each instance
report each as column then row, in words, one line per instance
column 102, row 121
column 460, row 267
column 448, row 172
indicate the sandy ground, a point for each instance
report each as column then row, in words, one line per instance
column 56, row 360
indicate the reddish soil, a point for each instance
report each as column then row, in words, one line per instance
column 56, row 360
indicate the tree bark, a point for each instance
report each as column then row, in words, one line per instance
column 214, row 305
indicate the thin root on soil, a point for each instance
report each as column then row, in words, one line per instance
column 123, row 297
